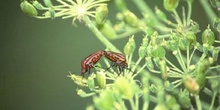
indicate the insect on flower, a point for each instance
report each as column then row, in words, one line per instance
column 118, row 60
column 90, row 61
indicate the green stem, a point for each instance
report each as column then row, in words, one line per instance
column 99, row 35
column 189, row 4
column 208, row 10
column 132, row 104
column 198, row 102
column 127, row 33
column 136, row 64
column 213, row 100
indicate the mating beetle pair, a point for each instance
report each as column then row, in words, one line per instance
column 118, row 60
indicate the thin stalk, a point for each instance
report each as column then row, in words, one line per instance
column 213, row 100
column 99, row 35
column 181, row 61
column 177, row 18
column 177, row 69
column 189, row 4
column 198, row 102
column 132, row 104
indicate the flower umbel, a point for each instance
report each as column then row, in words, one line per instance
column 76, row 9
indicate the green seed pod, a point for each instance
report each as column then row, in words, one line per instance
column 38, row 5
column 153, row 88
column 107, row 30
column 101, row 14
column 158, row 51
column 163, row 69
column 184, row 43
column 131, row 19
column 215, row 54
column 149, row 63
column 192, row 38
column 184, row 100
column 101, row 79
column 130, row 46
column 160, row 15
column 48, row 3
column 29, row 9
column 170, row 5
column 105, row 101
column 172, row 45
column 195, row 27
column 202, row 68
column 91, row 82
column 81, row 93
column 120, row 4
column 142, row 51
column 145, row 41
column 208, row 37
column 52, row 13
column 190, row 84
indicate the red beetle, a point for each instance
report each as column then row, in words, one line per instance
column 118, row 60
column 90, row 61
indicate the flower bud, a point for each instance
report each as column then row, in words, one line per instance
column 101, row 79
column 208, row 37
column 215, row 53
column 29, row 9
column 163, row 69
column 145, row 41
column 130, row 46
column 101, row 14
column 79, row 80
column 149, row 63
column 153, row 88
column 107, row 30
column 130, row 18
column 170, row 5
column 142, row 51
column 190, row 84
column 91, row 82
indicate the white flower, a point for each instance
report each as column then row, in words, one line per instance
column 78, row 9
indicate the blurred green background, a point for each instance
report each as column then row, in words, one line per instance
column 36, row 56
